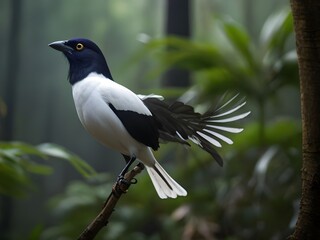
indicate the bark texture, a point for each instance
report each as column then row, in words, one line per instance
column 306, row 15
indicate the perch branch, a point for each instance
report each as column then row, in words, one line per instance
column 102, row 218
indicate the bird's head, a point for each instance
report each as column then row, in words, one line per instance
column 84, row 57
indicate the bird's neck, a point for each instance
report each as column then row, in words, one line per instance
column 79, row 71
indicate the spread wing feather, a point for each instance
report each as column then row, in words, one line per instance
column 179, row 122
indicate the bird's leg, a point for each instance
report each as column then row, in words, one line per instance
column 116, row 189
column 130, row 161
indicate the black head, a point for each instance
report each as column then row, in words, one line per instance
column 84, row 57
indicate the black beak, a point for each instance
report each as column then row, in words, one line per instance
column 61, row 46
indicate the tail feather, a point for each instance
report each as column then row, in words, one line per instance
column 165, row 186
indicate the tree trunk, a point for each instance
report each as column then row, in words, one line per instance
column 178, row 24
column 11, row 74
column 10, row 84
column 306, row 15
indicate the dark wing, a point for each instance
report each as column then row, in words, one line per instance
column 141, row 127
column 179, row 122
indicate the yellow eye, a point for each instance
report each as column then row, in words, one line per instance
column 79, row 46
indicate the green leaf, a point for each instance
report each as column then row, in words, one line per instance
column 276, row 31
column 183, row 53
column 240, row 41
column 17, row 163
column 56, row 151
column 14, row 182
column 20, row 149
column 37, row 168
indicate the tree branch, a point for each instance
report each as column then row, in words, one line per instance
column 102, row 218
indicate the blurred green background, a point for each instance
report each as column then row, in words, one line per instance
column 242, row 46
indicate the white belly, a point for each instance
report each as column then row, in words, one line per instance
column 103, row 124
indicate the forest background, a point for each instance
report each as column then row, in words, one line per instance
column 243, row 46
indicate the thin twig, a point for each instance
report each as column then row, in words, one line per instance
column 102, row 219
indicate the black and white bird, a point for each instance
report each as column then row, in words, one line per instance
column 134, row 124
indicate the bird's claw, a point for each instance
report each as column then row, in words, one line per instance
column 122, row 185
column 122, row 180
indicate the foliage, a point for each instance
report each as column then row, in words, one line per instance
column 234, row 61
column 259, row 183
column 255, row 195
column 18, row 161
column 80, row 202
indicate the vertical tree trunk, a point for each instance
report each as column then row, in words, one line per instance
column 6, row 204
column 178, row 24
column 306, row 15
column 11, row 74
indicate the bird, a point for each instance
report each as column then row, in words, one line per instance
column 134, row 124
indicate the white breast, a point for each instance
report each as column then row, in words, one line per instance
column 91, row 97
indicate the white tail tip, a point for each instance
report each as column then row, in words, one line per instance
column 165, row 186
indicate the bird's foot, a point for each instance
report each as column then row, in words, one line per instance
column 122, row 185
column 122, row 180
